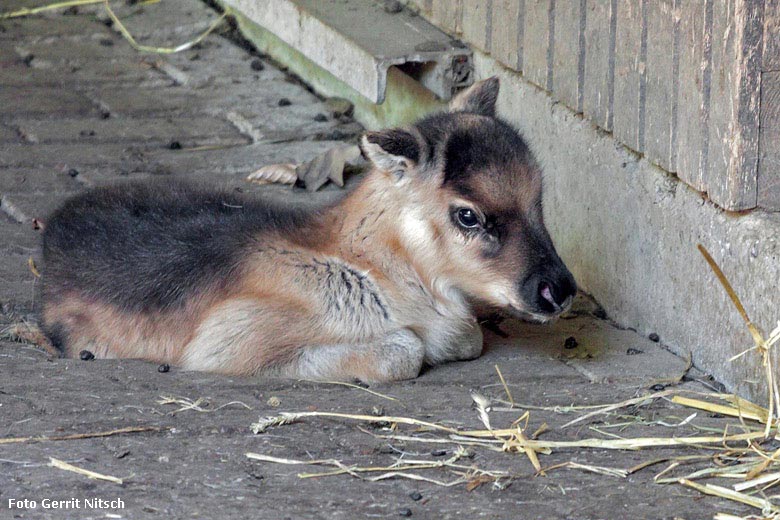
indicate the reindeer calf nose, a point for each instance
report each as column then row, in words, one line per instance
column 551, row 291
column 557, row 293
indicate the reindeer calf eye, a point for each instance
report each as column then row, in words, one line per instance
column 467, row 218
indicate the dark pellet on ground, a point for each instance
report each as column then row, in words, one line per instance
column 73, row 172
column 438, row 453
column 257, row 64
column 405, row 512
column 175, row 145
column 320, row 118
column 28, row 59
column 393, row 6
column 415, row 495
column 165, row 367
column 105, row 114
column 634, row 351
column 87, row 133
column 86, row 355
column 654, row 337
column 571, row 342
column 657, row 388
column 284, row 102
column 106, row 42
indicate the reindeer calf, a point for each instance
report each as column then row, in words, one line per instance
column 370, row 288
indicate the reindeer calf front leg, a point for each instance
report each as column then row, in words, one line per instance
column 395, row 356
column 461, row 342
column 468, row 344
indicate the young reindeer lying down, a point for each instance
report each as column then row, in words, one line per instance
column 370, row 288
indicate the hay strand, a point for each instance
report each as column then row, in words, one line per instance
column 56, row 463
column 197, row 405
column 735, row 496
column 287, row 418
column 506, row 387
column 719, row 408
column 162, row 50
column 51, row 7
column 44, row 438
column 758, row 339
column 352, row 385
column 400, row 469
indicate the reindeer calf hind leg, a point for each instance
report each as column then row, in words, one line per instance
column 397, row 355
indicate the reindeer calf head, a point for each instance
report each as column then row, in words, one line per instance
column 471, row 206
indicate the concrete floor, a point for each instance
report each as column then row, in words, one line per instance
column 79, row 107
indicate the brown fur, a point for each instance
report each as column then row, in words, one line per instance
column 370, row 288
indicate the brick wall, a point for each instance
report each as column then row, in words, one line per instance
column 678, row 81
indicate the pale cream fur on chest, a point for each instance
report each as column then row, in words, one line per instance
column 351, row 304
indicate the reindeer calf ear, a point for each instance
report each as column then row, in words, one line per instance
column 480, row 98
column 393, row 150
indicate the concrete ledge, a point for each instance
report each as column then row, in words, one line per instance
column 405, row 99
column 358, row 41
column 628, row 230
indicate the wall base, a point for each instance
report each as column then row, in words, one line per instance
column 628, row 231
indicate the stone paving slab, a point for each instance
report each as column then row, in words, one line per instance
column 33, row 181
column 18, row 238
column 43, row 101
column 167, row 23
column 128, row 158
column 80, row 71
column 197, row 463
column 595, row 348
column 15, row 73
column 18, row 285
column 29, row 206
column 76, row 75
column 227, row 64
column 189, row 132
column 8, row 56
column 8, row 135
column 133, row 101
column 36, row 28
column 64, row 155
column 238, row 160
column 109, row 47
